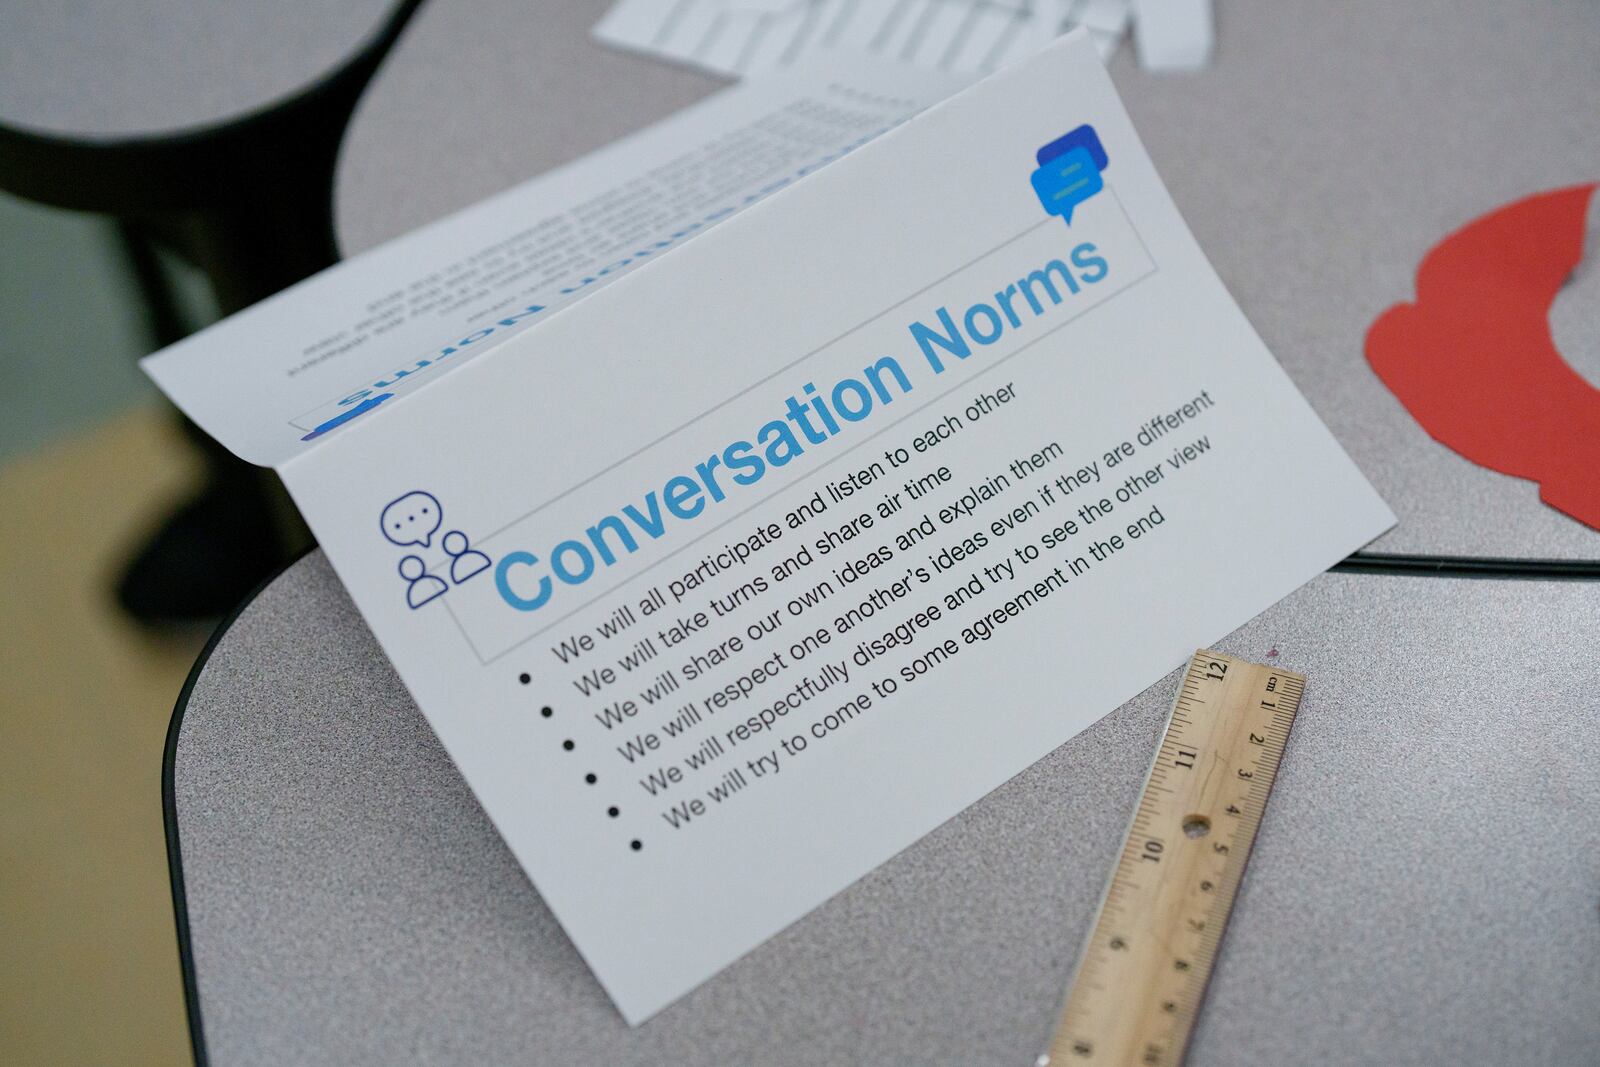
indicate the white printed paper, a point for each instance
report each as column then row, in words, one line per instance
column 272, row 382
column 728, row 582
column 1174, row 35
column 744, row 37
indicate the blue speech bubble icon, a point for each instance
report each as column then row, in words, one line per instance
column 1067, row 181
column 412, row 519
column 1082, row 137
column 1069, row 171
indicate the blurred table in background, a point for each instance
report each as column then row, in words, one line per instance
column 217, row 124
column 209, row 130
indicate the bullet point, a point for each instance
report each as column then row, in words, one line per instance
column 547, row 712
column 524, row 678
column 590, row 778
column 613, row 812
column 637, row 844
column 568, row 745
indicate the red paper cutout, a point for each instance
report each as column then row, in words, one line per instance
column 1473, row 359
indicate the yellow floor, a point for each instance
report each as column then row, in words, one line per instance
column 88, row 961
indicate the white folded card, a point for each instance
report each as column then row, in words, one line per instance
column 725, row 583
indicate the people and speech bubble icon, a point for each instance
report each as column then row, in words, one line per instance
column 1069, row 171
column 412, row 519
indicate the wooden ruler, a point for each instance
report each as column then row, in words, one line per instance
column 1145, row 966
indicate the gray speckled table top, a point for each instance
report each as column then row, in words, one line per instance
column 107, row 70
column 1425, row 888
column 1328, row 147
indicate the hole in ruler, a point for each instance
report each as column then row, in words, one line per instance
column 1196, row 825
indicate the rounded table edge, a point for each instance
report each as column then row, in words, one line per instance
column 169, row 809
